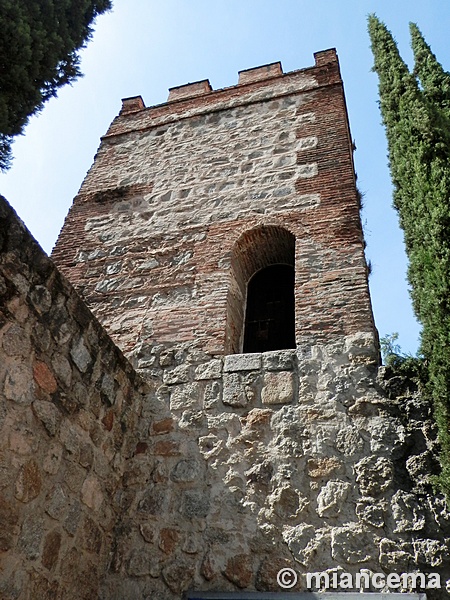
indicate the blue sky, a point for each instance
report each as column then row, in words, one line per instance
column 146, row 46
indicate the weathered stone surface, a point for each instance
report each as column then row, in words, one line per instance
column 371, row 511
column 91, row 536
column 168, row 539
column 212, row 395
column 396, row 555
column 387, row 435
column 178, row 576
column 266, row 578
column 153, row 500
column 301, row 542
column 373, row 475
column 242, row 362
column 50, row 553
column 349, row 441
column 16, row 341
column 91, row 493
column 278, row 388
column 41, row 299
column 186, row 470
column 57, row 503
column 48, row 414
column 234, row 393
column 163, row 426
column 239, row 570
column 278, row 360
column 80, row 355
column 352, row 544
column 332, row 497
column 29, row 482
column 209, row 370
column 184, row 397
column 19, row 384
column 323, row 467
column 195, row 504
column 407, row 514
column 178, row 374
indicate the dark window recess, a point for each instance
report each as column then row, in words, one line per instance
column 270, row 313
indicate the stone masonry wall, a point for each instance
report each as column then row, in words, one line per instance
column 308, row 459
column 69, row 402
column 173, row 188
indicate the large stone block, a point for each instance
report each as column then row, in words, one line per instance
column 278, row 388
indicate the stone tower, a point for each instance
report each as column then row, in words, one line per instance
column 188, row 200
column 191, row 398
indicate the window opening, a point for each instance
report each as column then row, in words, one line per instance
column 270, row 311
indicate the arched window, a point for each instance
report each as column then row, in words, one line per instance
column 260, row 312
column 270, row 310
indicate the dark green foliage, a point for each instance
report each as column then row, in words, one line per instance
column 416, row 112
column 413, row 368
column 39, row 41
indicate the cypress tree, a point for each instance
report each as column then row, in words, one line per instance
column 418, row 133
column 39, row 44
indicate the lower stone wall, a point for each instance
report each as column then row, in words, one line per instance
column 68, row 404
column 307, row 459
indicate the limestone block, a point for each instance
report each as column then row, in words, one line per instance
column 349, row 441
column 286, row 502
column 234, row 390
column 212, row 395
column 209, row 370
column 352, row 544
column 431, row 552
column 395, row 555
column 183, row 397
column 278, row 360
column 371, row 511
column 387, row 434
column 239, row 570
column 407, row 514
column 278, row 388
column 373, row 475
column 178, row 374
column 332, row 497
column 302, row 541
column 242, row 362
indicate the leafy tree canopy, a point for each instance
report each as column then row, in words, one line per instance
column 39, row 44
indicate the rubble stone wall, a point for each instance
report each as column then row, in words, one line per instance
column 309, row 459
column 68, row 402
